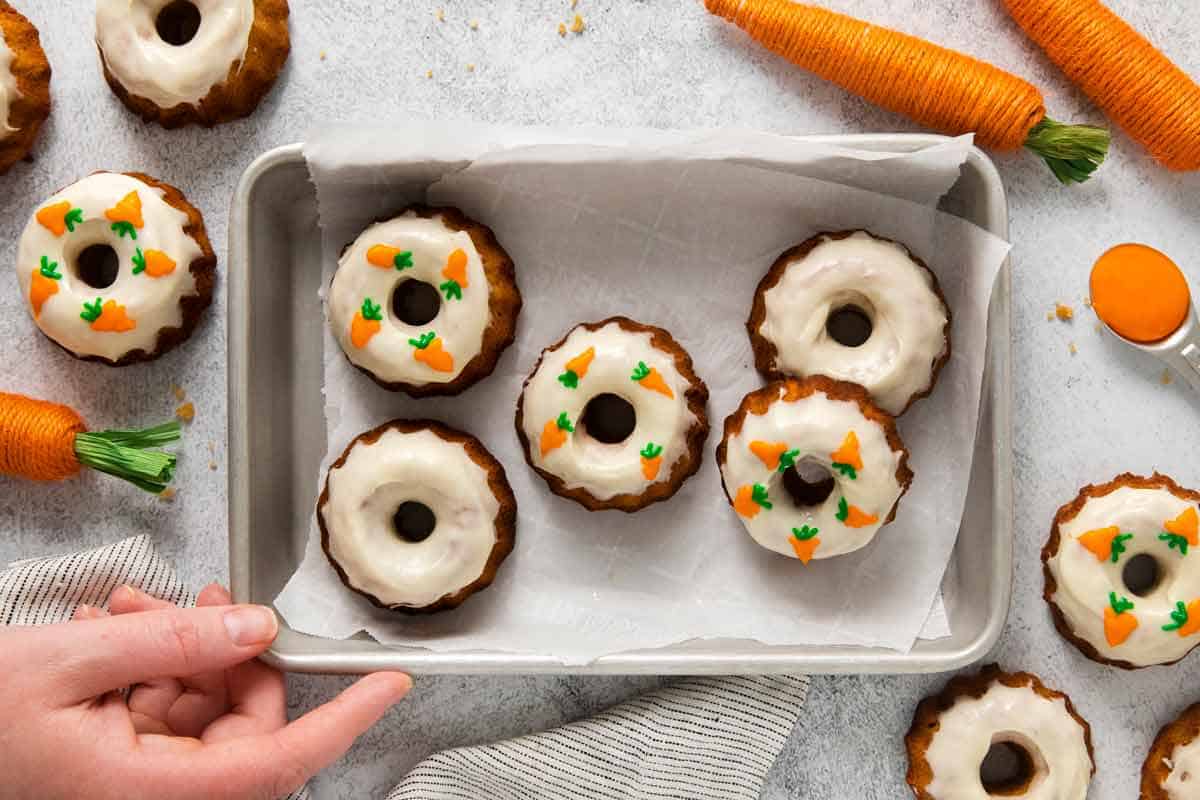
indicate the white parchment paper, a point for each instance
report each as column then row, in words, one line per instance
column 674, row 230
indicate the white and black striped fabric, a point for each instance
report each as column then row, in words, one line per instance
column 702, row 739
column 42, row 591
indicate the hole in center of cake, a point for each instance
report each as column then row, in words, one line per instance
column 413, row 521
column 178, row 22
column 849, row 326
column 608, row 418
column 808, row 483
column 415, row 302
column 1006, row 770
column 97, row 266
column 1141, row 574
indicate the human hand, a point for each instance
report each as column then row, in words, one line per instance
column 203, row 720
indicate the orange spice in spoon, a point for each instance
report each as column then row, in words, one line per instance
column 1139, row 293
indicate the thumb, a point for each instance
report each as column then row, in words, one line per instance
column 91, row 658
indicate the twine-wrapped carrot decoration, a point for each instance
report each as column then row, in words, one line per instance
column 1140, row 89
column 939, row 88
column 49, row 442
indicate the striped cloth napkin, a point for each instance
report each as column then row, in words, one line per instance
column 702, row 739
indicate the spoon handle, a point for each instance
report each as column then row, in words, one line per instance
column 1185, row 361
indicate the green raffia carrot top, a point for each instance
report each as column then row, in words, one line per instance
column 48, row 441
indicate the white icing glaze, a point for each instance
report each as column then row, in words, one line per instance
column 169, row 75
column 364, row 494
column 879, row 277
column 8, row 86
column 581, row 462
column 151, row 302
column 1084, row 582
column 1041, row 725
column 460, row 323
column 816, row 426
column 1183, row 781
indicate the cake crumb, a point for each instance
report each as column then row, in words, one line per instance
column 1166, row 377
column 574, row 4
column 428, row 73
column 1049, row 316
column 212, row 465
column 577, row 24
column 167, row 494
column 1099, row 327
column 1071, row 346
column 324, row 55
column 1087, row 302
column 474, row 24
column 1064, row 312
column 441, row 15
column 186, row 412
column 562, row 29
column 178, row 391
column 471, row 67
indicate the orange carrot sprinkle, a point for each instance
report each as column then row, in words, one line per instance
column 37, row 438
column 1138, row 87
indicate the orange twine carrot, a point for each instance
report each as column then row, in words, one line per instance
column 45, row 441
column 938, row 88
column 1153, row 100
column 37, row 438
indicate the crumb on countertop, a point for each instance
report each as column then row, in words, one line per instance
column 167, row 494
column 212, row 465
column 441, row 15
column 324, row 55
column 1099, row 327
column 474, row 24
column 471, row 67
column 1049, row 316
column 428, row 73
column 574, row 4
column 1071, row 346
column 1063, row 312
column 1087, row 302
column 562, row 29
column 577, row 24
column 178, row 391
column 186, row 412
column 1166, row 377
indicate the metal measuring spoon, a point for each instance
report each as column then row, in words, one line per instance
column 1143, row 299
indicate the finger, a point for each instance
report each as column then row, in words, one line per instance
column 154, row 699
column 273, row 765
column 130, row 600
column 140, row 647
column 85, row 612
column 214, row 595
column 257, row 693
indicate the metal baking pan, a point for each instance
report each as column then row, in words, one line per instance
column 277, row 440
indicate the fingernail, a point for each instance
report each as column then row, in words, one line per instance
column 83, row 611
column 251, row 625
column 125, row 593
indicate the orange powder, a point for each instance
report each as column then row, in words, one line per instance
column 1139, row 293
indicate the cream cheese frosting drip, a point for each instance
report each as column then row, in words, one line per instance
column 169, row 75
column 831, row 434
column 8, row 86
column 1181, row 781
column 607, row 361
column 153, row 252
column 364, row 494
column 1094, row 548
column 384, row 257
column 1042, row 726
column 882, row 280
